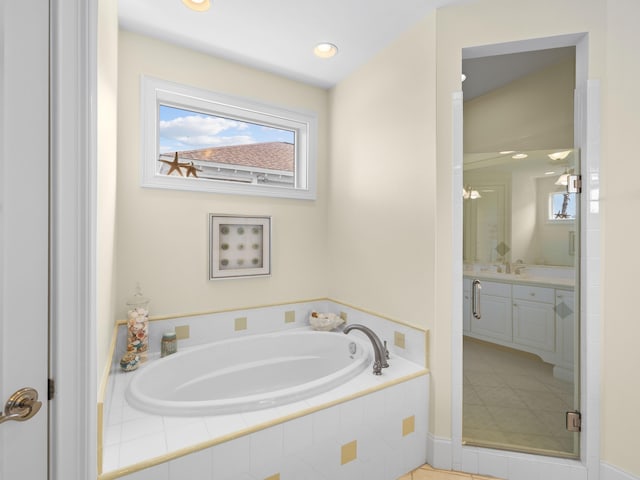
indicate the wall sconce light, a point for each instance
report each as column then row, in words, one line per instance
column 469, row 194
column 563, row 179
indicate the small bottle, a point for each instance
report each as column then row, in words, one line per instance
column 169, row 344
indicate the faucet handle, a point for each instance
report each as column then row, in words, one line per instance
column 377, row 368
column 384, row 356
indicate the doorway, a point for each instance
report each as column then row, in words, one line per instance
column 521, row 256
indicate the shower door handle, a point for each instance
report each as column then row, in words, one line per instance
column 475, row 299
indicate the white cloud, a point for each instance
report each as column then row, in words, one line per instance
column 199, row 123
column 198, row 126
column 210, row 141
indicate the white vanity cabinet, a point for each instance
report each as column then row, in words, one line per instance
column 534, row 323
column 533, row 318
column 495, row 313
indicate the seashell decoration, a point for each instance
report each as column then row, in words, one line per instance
column 138, row 325
column 325, row 321
column 129, row 361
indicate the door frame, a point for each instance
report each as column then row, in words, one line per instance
column 587, row 139
column 73, row 73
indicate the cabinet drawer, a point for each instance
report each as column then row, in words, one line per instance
column 496, row 289
column 534, row 294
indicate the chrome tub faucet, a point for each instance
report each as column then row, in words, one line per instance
column 379, row 349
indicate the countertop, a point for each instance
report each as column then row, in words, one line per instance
column 523, row 278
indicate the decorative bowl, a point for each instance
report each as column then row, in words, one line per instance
column 325, row 321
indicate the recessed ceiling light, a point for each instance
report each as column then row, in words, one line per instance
column 519, row 156
column 549, row 173
column 325, row 50
column 198, row 5
column 506, row 152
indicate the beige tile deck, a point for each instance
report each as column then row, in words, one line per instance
column 426, row 472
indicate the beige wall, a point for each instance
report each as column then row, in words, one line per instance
column 382, row 183
column 620, row 200
column 162, row 235
column 107, row 129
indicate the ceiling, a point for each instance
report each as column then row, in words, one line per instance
column 279, row 35
column 488, row 73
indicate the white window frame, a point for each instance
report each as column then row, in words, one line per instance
column 550, row 211
column 156, row 92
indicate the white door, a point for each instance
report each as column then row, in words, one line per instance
column 24, row 230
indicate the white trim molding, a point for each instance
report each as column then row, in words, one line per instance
column 216, row 177
column 73, row 437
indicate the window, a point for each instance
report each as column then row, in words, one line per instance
column 562, row 206
column 204, row 141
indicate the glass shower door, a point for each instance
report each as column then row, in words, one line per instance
column 521, row 336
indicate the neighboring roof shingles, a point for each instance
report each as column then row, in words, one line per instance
column 269, row 155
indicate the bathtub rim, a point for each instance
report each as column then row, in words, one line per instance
column 155, row 406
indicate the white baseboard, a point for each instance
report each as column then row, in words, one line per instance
column 439, row 453
column 515, row 466
column 508, row 465
column 609, row 472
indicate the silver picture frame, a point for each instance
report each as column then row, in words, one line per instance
column 239, row 246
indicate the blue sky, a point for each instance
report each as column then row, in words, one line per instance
column 186, row 130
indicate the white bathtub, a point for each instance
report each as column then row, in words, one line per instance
column 247, row 373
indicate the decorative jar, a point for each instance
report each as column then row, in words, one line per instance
column 138, row 325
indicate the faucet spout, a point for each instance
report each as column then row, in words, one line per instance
column 379, row 349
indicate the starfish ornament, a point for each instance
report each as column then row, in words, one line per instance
column 175, row 165
column 192, row 169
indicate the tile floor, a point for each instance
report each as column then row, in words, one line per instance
column 426, row 472
column 513, row 400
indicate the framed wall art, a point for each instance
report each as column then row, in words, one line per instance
column 239, row 246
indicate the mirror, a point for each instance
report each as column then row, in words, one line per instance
column 516, row 208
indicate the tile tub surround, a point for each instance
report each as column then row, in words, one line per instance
column 135, row 442
column 211, row 327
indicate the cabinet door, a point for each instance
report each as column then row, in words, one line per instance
column 534, row 325
column 495, row 322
